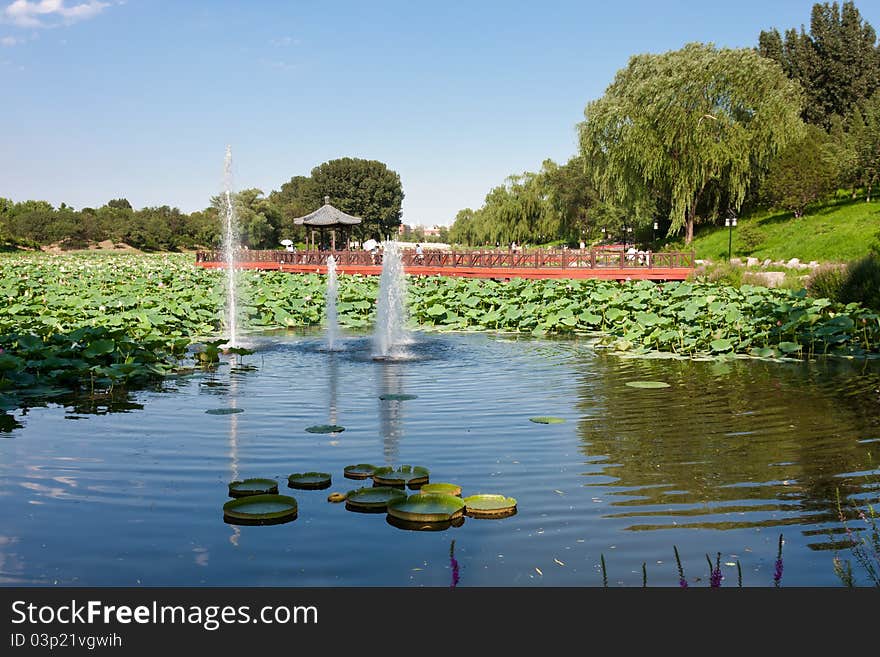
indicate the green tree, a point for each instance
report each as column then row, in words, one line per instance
column 257, row 218
column 296, row 198
column 837, row 63
column 804, row 172
column 688, row 124
column 363, row 188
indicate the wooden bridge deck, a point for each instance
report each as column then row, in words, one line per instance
column 535, row 264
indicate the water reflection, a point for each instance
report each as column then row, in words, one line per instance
column 737, row 444
column 390, row 411
column 232, row 389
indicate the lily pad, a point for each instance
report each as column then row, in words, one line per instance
column 253, row 486
column 309, row 480
column 547, row 420
column 441, row 488
column 424, row 526
column 397, row 397
column 413, row 476
column 372, row 500
column 325, row 428
column 490, row 506
column 647, row 384
column 427, row 508
column 260, row 510
column 359, row 471
column 224, row 411
column 336, row 498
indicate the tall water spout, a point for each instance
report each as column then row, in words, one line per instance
column 230, row 246
column 330, row 299
column 390, row 334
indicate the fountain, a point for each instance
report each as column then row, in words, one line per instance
column 332, row 320
column 230, row 246
column 390, row 334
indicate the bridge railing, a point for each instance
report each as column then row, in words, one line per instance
column 520, row 259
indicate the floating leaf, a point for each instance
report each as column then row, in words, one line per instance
column 359, row 471
column 647, row 384
column 373, row 499
column 260, row 510
column 426, row 508
column 441, row 488
column 224, row 411
column 411, row 475
column 546, row 420
column 254, row 486
column 325, row 428
column 309, row 480
column 397, row 397
column 490, row 506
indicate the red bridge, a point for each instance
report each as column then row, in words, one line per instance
column 535, row 263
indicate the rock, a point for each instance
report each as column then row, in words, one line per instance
column 813, row 264
column 736, row 261
column 766, row 263
column 769, row 278
column 751, row 262
column 794, row 263
column 699, row 262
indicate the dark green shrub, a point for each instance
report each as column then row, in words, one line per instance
column 826, row 281
column 748, row 239
column 862, row 282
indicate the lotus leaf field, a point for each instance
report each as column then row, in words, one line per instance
column 92, row 322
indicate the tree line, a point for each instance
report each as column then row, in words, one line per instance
column 363, row 188
column 702, row 133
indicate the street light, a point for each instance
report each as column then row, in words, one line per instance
column 730, row 222
column 626, row 231
column 654, row 234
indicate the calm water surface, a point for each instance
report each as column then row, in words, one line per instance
column 724, row 460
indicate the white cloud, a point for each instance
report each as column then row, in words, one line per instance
column 9, row 41
column 47, row 13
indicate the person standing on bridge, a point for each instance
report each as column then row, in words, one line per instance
column 420, row 254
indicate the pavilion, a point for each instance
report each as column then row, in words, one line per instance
column 328, row 218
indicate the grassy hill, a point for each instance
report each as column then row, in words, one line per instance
column 838, row 231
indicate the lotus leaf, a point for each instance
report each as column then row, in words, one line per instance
column 260, row 510
column 427, row 508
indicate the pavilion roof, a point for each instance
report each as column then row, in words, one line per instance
column 327, row 215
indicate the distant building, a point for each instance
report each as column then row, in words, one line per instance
column 406, row 229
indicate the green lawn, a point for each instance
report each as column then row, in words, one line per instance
column 840, row 231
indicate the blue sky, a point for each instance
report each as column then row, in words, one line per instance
column 103, row 99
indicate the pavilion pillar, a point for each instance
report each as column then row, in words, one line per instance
column 332, row 239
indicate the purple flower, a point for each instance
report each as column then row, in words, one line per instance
column 682, row 582
column 777, row 570
column 453, row 562
column 715, row 575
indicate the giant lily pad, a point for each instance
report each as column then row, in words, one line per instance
column 309, row 480
column 359, row 471
column 260, row 510
column 427, row 508
column 489, row 506
column 647, row 384
column 441, row 488
column 254, row 486
column 372, row 500
column 424, row 526
column 397, row 397
column 547, row 420
column 413, row 476
column 325, row 428
column 224, row 411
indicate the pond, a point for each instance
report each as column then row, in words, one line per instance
column 728, row 457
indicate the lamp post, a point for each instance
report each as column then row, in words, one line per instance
column 654, row 234
column 730, row 222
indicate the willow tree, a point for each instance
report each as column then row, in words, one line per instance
column 688, row 125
